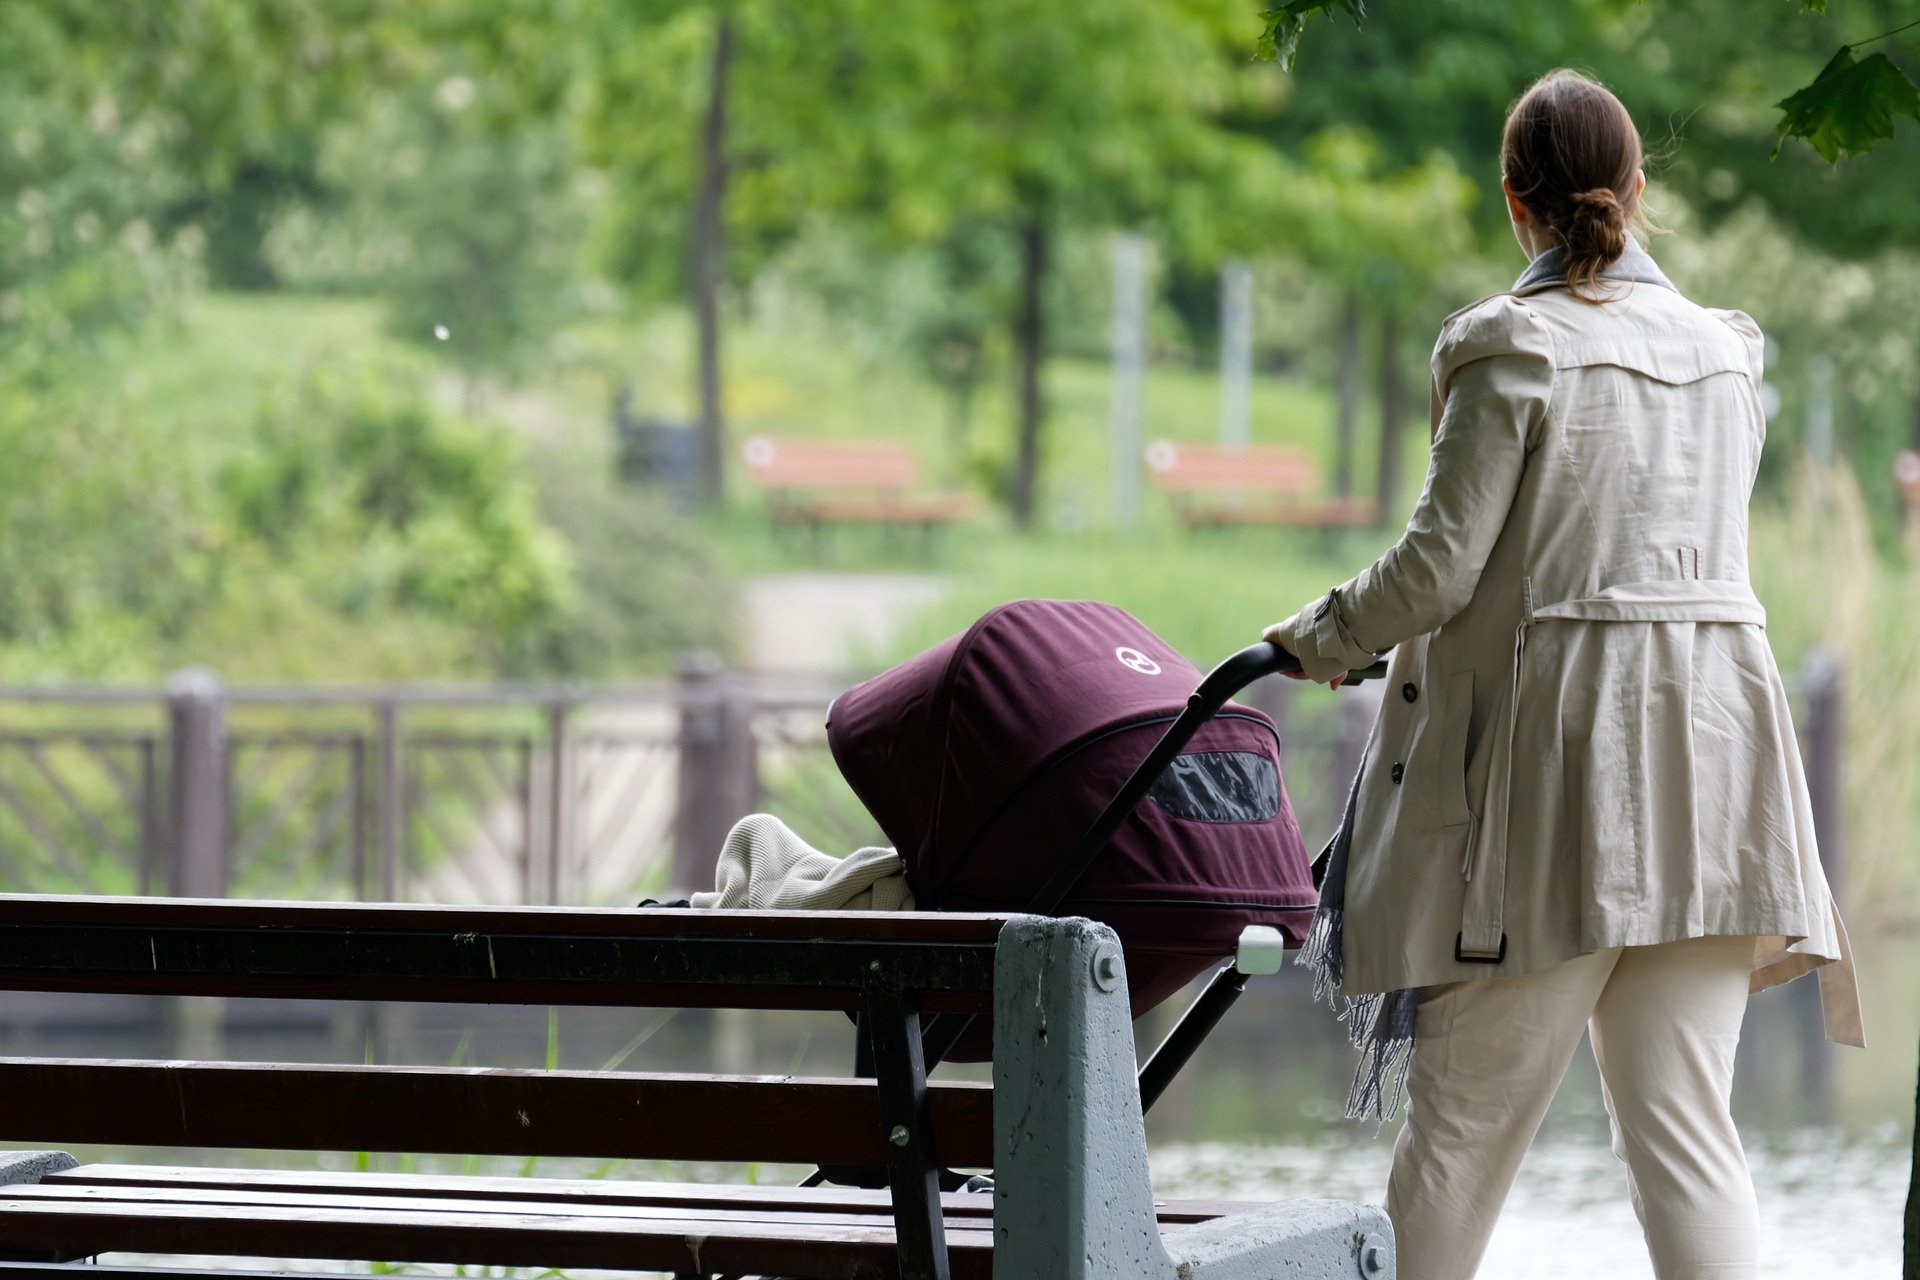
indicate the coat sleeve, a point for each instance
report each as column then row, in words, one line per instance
column 1492, row 378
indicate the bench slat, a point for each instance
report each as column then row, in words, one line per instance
column 507, row 1239
column 685, row 1217
column 828, row 926
column 955, row 1205
column 479, row 1111
column 397, row 953
column 830, row 464
column 485, row 1187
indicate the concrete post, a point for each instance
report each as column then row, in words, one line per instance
column 196, row 846
column 1130, row 253
column 1236, row 353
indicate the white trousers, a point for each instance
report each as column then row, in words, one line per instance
column 1664, row 1022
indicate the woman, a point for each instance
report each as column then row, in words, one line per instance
column 1582, row 807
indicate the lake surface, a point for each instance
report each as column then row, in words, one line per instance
column 1828, row 1131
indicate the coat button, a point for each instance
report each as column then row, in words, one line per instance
column 1410, row 691
column 1399, row 772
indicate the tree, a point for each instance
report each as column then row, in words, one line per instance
column 1847, row 109
column 981, row 119
column 714, row 120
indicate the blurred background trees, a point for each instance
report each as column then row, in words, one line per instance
column 263, row 268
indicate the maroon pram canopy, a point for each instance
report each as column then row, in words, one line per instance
column 986, row 758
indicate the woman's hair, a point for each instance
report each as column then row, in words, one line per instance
column 1572, row 156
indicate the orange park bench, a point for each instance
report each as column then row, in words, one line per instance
column 823, row 482
column 1215, row 485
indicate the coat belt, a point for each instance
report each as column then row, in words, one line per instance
column 1483, row 937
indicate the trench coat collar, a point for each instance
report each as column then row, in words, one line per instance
column 1549, row 269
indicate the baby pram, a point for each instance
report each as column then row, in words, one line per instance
column 1058, row 757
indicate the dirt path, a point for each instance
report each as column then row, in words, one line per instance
column 826, row 624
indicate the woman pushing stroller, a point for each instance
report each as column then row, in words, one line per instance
column 1582, row 807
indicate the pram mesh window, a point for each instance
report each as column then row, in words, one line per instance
column 1220, row 786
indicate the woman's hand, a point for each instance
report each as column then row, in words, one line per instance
column 1279, row 634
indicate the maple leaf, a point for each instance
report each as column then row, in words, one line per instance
column 1849, row 107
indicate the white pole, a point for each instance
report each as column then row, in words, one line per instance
column 1236, row 352
column 1820, row 410
column 1130, row 253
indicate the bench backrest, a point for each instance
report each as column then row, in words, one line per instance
column 868, row 465
column 890, row 967
column 1061, row 1126
column 1203, row 468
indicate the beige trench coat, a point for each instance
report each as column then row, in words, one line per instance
column 1585, row 741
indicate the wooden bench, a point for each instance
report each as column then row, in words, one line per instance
column 1060, row 1125
column 822, row 482
column 1213, row 486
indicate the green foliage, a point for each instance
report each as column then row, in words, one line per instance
column 385, row 504
column 1849, row 107
column 464, row 226
column 1280, row 37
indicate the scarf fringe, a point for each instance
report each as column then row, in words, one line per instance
column 1381, row 1026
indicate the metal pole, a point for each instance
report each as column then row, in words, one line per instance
column 1129, row 360
column 197, row 815
column 1820, row 410
column 1236, row 352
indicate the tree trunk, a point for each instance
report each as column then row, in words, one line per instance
column 1347, row 376
column 709, row 264
column 1393, row 413
column 1029, row 340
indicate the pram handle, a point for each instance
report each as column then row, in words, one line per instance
column 1215, row 691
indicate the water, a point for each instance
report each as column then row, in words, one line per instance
column 1253, row 1118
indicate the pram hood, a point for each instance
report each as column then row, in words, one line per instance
column 985, row 758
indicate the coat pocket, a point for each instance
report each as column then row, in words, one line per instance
column 1449, row 763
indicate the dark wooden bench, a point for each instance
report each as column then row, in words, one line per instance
column 824, row 482
column 1060, row 1126
column 1212, row 486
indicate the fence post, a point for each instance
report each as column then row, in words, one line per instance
column 196, row 845
column 559, row 806
column 1822, row 736
column 392, row 800
column 719, row 768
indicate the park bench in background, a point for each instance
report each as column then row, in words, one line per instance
column 824, row 482
column 1060, row 1126
column 1215, row 485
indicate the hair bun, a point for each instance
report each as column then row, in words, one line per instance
column 1595, row 231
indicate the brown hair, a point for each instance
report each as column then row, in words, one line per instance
column 1571, row 154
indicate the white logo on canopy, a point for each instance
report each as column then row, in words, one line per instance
column 1134, row 660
